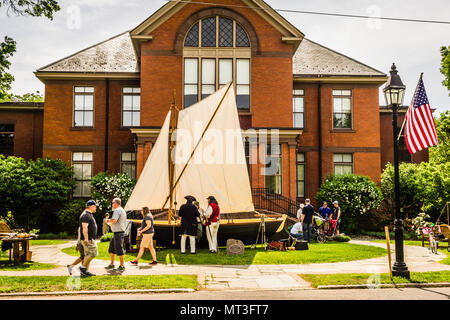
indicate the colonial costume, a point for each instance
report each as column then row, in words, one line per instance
column 212, row 223
column 188, row 214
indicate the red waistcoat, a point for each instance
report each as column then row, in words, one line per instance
column 214, row 214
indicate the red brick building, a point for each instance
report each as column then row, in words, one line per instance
column 105, row 104
column 21, row 126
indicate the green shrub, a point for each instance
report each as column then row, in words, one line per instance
column 407, row 235
column 424, row 187
column 31, row 192
column 341, row 238
column 106, row 187
column 63, row 235
column 48, row 236
column 107, row 237
column 357, row 196
column 68, row 217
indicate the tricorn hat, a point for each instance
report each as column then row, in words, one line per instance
column 190, row 198
column 211, row 198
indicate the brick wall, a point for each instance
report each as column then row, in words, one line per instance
column 27, row 131
column 363, row 141
column 387, row 143
column 61, row 139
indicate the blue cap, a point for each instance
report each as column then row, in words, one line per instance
column 90, row 203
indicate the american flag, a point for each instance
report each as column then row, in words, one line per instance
column 420, row 131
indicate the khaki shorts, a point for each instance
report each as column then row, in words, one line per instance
column 90, row 249
column 147, row 240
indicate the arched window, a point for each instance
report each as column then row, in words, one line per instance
column 216, row 52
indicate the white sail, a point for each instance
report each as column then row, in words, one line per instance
column 218, row 167
column 152, row 187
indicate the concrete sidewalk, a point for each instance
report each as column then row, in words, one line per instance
column 220, row 277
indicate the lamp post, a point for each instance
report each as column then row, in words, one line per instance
column 394, row 92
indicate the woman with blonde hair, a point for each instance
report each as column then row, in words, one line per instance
column 147, row 231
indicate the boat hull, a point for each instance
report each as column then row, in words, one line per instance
column 246, row 230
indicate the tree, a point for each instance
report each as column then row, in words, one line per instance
column 357, row 196
column 34, row 8
column 435, row 179
column 69, row 215
column 445, row 66
column 26, row 97
column 441, row 153
column 34, row 191
column 7, row 49
column 423, row 187
column 410, row 188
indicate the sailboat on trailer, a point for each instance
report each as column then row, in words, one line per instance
column 200, row 152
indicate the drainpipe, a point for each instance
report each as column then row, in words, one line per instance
column 106, row 124
column 319, row 102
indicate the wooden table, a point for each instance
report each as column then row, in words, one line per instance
column 20, row 249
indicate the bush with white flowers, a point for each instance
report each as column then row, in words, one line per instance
column 106, row 187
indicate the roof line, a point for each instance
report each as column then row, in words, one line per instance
column 280, row 15
column 74, row 54
column 382, row 73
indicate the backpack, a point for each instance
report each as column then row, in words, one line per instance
column 276, row 246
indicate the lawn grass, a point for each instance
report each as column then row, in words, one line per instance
column 46, row 242
column 418, row 243
column 364, row 278
column 318, row 253
column 63, row 283
column 6, row 265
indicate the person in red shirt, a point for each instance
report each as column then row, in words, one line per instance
column 212, row 214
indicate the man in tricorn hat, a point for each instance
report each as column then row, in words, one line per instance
column 188, row 214
column 212, row 224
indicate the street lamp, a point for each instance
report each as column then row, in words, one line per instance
column 394, row 92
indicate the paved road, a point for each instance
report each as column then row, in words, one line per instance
column 304, row 294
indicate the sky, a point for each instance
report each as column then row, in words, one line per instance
column 414, row 47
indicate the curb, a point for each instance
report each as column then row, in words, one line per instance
column 381, row 286
column 94, row 292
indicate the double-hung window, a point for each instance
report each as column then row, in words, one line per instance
column 128, row 163
column 343, row 163
column 224, row 57
column 273, row 170
column 7, row 139
column 82, row 165
column 131, row 107
column 300, row 175
column 299, row 108
column 83, row 107
column 342, row 109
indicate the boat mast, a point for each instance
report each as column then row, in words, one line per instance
column 173, row 126
column 172, row 184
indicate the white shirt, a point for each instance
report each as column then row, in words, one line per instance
column 296, row 228
column 208, row 212
column 299, row 213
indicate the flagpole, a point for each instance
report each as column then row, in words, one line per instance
column 404, row 120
